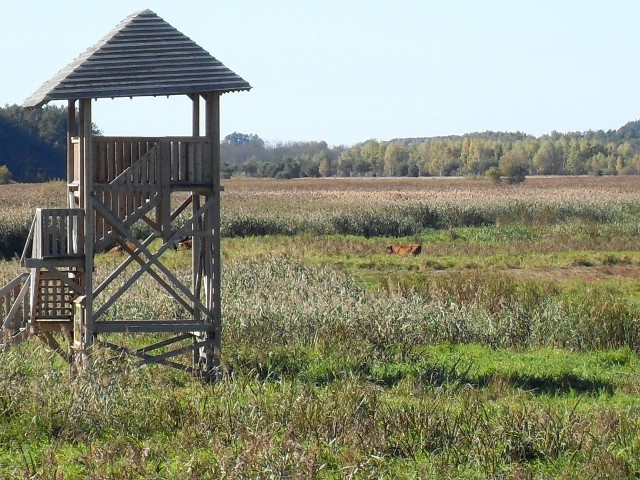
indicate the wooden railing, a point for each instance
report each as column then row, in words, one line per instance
column 112, row 156
column 132, row 176
column 55, row 233
column 188, row 158
column 14, row 307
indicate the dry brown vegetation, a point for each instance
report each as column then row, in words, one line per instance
column 504, row 350
column 244, row 193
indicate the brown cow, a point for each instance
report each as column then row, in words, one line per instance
column 120, row 249
column 413, row 249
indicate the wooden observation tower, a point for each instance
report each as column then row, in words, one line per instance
column 169, row 184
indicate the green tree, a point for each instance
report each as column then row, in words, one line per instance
column 325, row 165
column 5, row 175
column 514, row 165
column 346, row 161
column 549, row 159
column 395, row 159
column 373, row 153
column 250, row 167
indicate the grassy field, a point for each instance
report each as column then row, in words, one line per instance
column 507, row 349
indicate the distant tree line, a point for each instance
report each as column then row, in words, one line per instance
column 33, row 143
column 478, row 154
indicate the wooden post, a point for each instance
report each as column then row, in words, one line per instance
column 86, row 152
column 195, row 119
column 212, row 224
column 72, row 131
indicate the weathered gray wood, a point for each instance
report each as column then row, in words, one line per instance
column 152, row 260
column 72, row 131
column 120, row 268
column 64, row 278
column 12, row 322
column 151, row 326
column 195, row 115
column 148, row 358
column 213, row 132
column 86, row 135
column 48, row 339
column 164, row 343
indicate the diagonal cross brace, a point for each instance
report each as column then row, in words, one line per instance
column 151, row 259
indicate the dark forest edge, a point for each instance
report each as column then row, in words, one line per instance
column 32, row 149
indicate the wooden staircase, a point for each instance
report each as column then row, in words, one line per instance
column 41, row 301
column 14, row 311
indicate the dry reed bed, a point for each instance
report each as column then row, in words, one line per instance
column 546, row 190
column 253, row 195
column 400, row 207
column 377, row 190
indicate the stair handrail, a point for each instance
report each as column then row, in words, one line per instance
column 29, row 243
column 9, row 327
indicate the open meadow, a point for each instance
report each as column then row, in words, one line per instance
column 508, row 348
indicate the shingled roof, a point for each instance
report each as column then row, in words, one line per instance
column 142, row 56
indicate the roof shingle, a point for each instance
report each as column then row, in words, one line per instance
column 142, row 56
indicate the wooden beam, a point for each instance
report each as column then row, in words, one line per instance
column 195, row 117
column 213, row 302
column 72, row 131
column 152, row 260
column 86, row 149
column 48, row 339
column 152, row 326
column 146, row 359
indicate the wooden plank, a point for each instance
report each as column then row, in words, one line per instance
column 64, row 278
column 153, row 140
column 48, row 339
column 181, row 208
column 147, row 358
column 118, row 151
column 44, row 244
column 198, row 161
column 126, row 187
column 61, row 233
column 164, row 184
column 182, row 162
column 13, row 284
column 101, row 173
column 196, row 257
column 213, row 133
column 111, row 161
column 135, row 181
column 77, row 161
column 87, row 336
column 79, row 232
column 151, row 326
column 167, row 342
column 71, row 132
column 190, row 148
column 175, row 161
column 126, row 163
column 195, row 115
column 10, row 323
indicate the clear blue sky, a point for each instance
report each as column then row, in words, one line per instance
column 345, row 71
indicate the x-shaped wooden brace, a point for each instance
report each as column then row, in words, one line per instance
column 152, row 260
